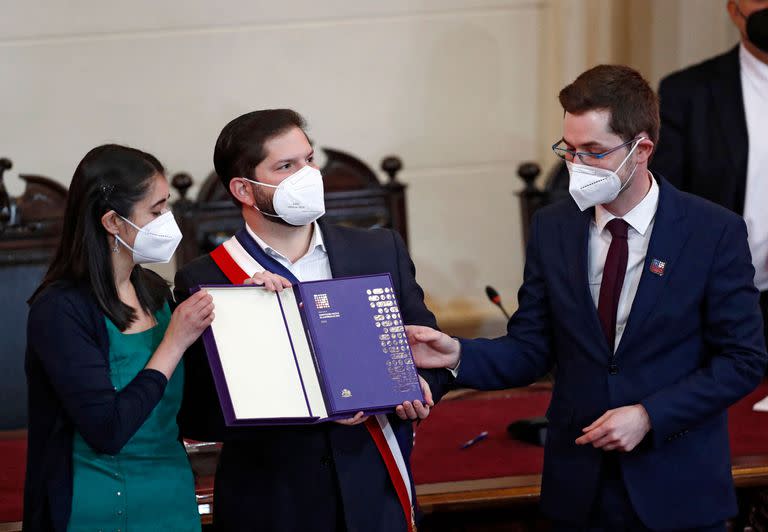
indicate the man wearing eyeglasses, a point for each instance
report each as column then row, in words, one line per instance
column 642, row 297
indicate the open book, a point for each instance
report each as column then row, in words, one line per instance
column 319, row 351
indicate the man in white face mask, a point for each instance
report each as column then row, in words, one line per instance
column 642, row 298
column 590, row 182
column 332, row 476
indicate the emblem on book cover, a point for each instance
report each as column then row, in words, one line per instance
column 346, row 393
column 321, row 301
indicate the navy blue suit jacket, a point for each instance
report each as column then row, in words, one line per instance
column 305, row 477
column 692, row 346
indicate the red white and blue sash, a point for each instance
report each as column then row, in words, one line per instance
column 238, row 264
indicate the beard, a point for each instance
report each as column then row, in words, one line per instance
column 263, row 197
column 629, row 171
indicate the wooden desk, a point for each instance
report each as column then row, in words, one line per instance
column 750, row 469
column 493, row 489
column 525, row 489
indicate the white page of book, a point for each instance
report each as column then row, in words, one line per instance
column 256, row 355
column 303, row 353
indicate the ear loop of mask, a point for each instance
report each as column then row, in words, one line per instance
column 139, row 229
column 632, row 175
column 254, row 205
column 123, row 242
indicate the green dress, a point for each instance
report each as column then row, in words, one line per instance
column 149, row 484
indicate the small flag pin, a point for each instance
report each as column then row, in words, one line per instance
column 657, row 267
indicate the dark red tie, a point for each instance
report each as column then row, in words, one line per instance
column 613, row 279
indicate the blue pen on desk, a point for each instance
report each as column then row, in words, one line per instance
column 469, row 443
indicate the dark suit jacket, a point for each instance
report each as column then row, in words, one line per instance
column 692, row 346
column 69, row 387
column 703, row 145
column 296, row 478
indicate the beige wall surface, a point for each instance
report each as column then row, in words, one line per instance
column 462, row 90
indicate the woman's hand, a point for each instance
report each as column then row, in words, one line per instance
column 188, row 322
column 190, row 319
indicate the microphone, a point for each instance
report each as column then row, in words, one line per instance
column 495, row 298
column 530, row 430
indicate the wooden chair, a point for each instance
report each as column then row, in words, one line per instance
column 353, row 196
column 30, row 226
column 532, row 198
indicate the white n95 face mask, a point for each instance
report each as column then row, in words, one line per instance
column 590, row 186
column 299, row 198
column 156, row 241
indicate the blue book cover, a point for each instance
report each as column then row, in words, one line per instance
column 322, row 351
column 358, row 337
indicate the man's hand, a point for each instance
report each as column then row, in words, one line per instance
column 271, row 281
column 620, row 429
column 350, row 421
column 407, row 410
column 431, row 348
column 417, row 409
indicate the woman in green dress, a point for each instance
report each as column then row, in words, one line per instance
column 103, row 360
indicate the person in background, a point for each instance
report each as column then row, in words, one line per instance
column 714, row 131
column 103, row 359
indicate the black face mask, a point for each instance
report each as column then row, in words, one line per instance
column 757, row 29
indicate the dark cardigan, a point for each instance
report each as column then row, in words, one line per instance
column 67, row 365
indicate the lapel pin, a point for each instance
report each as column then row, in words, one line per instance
column 657, row 267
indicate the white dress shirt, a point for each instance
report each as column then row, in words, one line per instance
column 640, row 220
column 754, row 86
column 313, row 266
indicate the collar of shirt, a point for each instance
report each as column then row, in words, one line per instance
column 315, row 243
column 752, row 67
column 641, row 215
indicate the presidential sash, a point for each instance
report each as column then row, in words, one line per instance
column 237, row 264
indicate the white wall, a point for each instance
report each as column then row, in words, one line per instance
column 448, row 85
column 685, row 32
column 461, row 90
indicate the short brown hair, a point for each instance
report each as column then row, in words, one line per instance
column 622, row 91
column 240, row 146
